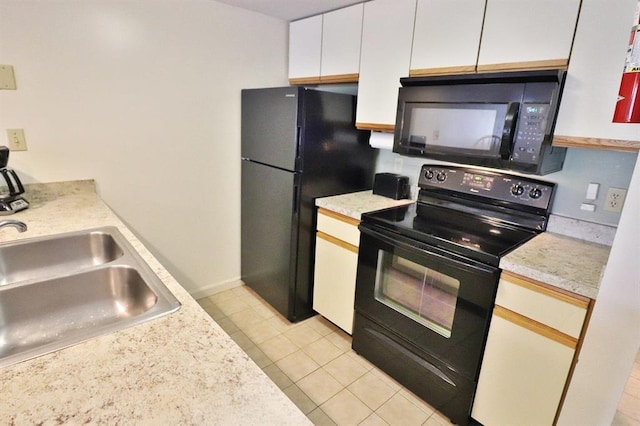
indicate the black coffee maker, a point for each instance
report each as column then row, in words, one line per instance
column 10, row 199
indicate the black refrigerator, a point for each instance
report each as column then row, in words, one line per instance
column 298, row 144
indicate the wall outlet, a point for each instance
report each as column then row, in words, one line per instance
column 615, row 199
column 17, row 142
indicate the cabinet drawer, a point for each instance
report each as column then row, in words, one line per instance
column 339, row 226
column 558, row 310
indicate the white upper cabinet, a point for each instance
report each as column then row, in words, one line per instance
column 593, row 79
column 341, row 36
column 387, row 35
column 305, row 49
column 525, row 34
column 446, row 36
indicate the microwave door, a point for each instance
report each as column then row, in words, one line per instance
column 482, row 130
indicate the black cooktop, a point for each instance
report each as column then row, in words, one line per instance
column 478, row 214
column 472, row 236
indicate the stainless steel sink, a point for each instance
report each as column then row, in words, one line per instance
column 93, row 283
column 46, row 257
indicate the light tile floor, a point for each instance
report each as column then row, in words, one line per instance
column 314, row 365
column 628, row 413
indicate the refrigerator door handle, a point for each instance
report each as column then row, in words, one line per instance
column 298, row 165
column 296, row 206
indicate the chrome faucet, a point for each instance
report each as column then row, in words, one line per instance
column 20, row 226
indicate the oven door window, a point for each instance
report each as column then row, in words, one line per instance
column 417, row 292
column 455, row 128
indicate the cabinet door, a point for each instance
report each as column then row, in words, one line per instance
column 593, row 79
column 305, row 46
column 446, row 37
column 334, row 285
column 519, row 34
column 522, row 377
column 341, row 36
column 387, row 34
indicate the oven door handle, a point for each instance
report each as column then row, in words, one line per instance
column 415, row 246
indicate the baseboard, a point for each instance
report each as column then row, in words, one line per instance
column 215, row 288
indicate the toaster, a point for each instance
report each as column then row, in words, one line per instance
column 391, row 185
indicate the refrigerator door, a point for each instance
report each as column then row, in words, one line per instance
column 269, row 232
column 270, row 126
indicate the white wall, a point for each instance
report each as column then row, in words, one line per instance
column 144, row 97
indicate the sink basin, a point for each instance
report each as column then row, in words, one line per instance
column 99, row 285
column 46, row 257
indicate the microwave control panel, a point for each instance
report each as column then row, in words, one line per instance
column 531, row 132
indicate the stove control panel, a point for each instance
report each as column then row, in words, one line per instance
column 491, row 185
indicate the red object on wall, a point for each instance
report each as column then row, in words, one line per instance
column 628, row 105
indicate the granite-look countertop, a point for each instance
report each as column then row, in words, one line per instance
column 565, row 262
column 181, row 368
column 356, row 203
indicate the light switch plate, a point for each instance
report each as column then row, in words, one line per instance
column 592, row 191
column 7, row 78
column 17, row 141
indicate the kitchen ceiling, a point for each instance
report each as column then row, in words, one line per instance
column 290, row 10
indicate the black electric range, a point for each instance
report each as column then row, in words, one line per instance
column 428, row 274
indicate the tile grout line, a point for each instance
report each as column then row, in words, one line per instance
column 212, row 305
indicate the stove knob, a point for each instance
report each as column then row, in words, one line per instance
column 517, row 190
column 535, row 193
column 428, row 174
column 441, row 176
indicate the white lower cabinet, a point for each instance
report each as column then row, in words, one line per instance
column 528, row 359
column 336, row 263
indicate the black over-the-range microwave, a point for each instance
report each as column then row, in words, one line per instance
column 498, row 120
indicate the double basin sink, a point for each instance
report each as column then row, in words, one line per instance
column 60, row 290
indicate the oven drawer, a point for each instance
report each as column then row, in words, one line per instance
column 342, row 227
column 431, row 380
column 558, row 310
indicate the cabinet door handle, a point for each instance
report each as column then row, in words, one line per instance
column 333, row 240
column 535, row 326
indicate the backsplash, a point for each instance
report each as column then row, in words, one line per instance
column 581, row 167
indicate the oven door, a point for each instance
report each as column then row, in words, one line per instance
column 430, row 300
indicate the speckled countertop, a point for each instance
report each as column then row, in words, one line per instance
column 178, row 369
column 565, row 262
column 356, row 203
column 569, row 263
